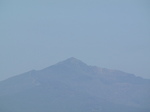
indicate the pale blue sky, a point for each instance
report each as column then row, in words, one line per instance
column 112, row 34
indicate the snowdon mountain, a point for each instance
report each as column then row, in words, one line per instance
column 73, row 86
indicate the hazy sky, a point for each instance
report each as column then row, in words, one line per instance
column 112, row 34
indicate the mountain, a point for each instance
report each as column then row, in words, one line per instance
column 73, row 86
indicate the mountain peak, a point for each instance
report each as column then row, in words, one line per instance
column 73, row 62
column 72, row 59
column 69, row 63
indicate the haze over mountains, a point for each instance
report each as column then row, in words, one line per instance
column 73, row 86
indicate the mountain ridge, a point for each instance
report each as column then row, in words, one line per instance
column 75, row 86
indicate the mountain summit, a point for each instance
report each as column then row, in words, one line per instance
column 72, row 62
column 73, row 86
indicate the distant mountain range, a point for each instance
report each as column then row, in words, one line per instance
column 73, row 86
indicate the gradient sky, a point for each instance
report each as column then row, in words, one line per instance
column 111, row 34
